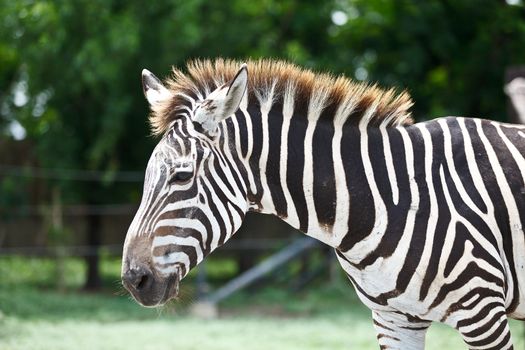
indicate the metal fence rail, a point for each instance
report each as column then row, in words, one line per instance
column 289, row 252
column 116, row 249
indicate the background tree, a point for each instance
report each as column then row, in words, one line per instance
column 70, row 70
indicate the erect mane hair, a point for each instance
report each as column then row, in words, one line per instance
column 388, row 107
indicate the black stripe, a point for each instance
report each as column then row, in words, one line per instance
column 255, row 116
column 215, row 211
column 362, row 213
column 275, row 124
column 418, row 237
column 243, row 132
column 471, row 271
column 489, row 179
column 295, row 165
column 324, row 192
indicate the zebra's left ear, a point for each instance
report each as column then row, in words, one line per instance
column 222, row 103
column 153, row 89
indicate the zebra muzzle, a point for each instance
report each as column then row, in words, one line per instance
column 148, row 288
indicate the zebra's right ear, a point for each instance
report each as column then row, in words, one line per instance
column 153, row 89
column 222, row 102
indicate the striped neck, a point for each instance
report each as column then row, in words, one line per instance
column 311, row 172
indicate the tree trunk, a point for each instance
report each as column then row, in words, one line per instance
column 93, row 280
column 58, row 235
column 245, row 261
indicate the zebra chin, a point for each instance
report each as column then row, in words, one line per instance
column 148, row 288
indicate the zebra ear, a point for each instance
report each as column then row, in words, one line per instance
column 153, row 89
column 223, row 102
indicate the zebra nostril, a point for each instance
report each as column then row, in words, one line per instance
column 142, row 282
column 137, row 278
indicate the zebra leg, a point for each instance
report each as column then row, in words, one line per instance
column 394, row 331
column 487, row 329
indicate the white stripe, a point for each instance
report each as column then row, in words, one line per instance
column 152, row 177
column 448, row 152
column 188, row 203
column 315, row 108
column 184, row 223
column 368, row 244
column 392, row 178
column 266, row 104
column 232, row 158
column 391, row 266
column 237, row 220
column 288, row 108
column 223, row 213
column 212, row 218
column 514, row 217
column 175, row 257
column 470, row 302
column 465, row 197
column 249, row 137
column 159, row 241
column 472, row 165
column 342, row 212
column 482, row 190
column 433, row 210
column 237, row 197
column 518, row 239
column 189, row 241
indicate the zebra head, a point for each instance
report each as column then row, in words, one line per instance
column 194, row 195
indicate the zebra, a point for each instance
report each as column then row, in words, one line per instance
column 426, row 218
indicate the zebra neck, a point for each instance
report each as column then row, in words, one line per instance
column 331, row 183
column 380, row 167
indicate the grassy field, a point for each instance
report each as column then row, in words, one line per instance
column 36, row 316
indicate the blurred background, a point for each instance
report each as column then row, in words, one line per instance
column 74, row 142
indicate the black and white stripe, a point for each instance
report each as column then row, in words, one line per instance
column 426, row 219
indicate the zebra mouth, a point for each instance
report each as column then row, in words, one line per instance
column 172, row 288
column 154, row 290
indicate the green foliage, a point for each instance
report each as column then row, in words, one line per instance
column 12, row 192
column 32, row 272
column 451, row 55
column 78, row 63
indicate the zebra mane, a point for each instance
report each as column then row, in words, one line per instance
column 282, row 80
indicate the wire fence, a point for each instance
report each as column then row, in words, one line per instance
column 72, row 210
column 116, row 249
column 71, row 174
column 75, row 211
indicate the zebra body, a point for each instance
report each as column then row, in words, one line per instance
column 454, row 251
column 426, row 219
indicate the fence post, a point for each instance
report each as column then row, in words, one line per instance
column 202, row 281
column 93, row 280
column 207, row 308
column 57, row 228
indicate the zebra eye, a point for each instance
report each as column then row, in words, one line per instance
column 181, row 176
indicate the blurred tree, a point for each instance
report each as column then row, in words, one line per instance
column 69, row 70
column 70, row 92
column 451, row 55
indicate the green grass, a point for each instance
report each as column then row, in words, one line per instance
column 36, row 316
